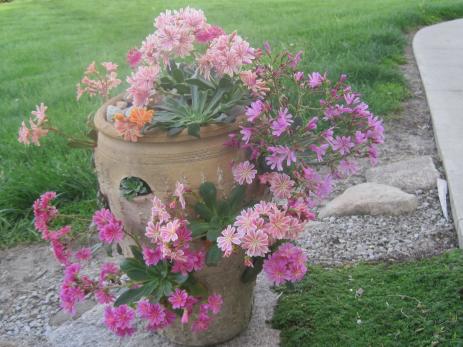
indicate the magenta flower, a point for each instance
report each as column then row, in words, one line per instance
column 111, row 232
column 255, row 110
column 342, row 144
column 214, row 303
column 286, row 264
column 120, row 320
column 244, row 172
column 312, row 124
column 178, row 298
column 83, row 254
column 152, row 256
column 108, row 269
column 278, row 155
column 282, row 122
column 103, row 296
column 319, row 151
column 316, row 80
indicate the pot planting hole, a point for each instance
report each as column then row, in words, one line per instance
column 132, row 187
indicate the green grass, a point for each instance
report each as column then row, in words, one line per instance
column 46, row 45
column 406, row 304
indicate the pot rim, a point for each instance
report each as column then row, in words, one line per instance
column 159, row 135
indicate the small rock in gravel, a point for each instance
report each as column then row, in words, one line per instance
column 370, row 199
column 409, row 175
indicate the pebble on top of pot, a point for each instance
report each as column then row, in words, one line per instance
column 221, row 151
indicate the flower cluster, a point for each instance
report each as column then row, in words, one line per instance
column 181, row 34
column 287, row 263
column 37, row 128
column 302, row 123
column 96, row 83
column 130, row 127
column 173, row 250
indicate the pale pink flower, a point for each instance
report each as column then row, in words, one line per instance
column 255, row 110
column 228, row 238
column 247, row 221
column 281, row 185
column 208, row 34
column 37, row 132
column 278, row 225
column 257, row 86
column 319, row 150
column 24, row 134
column 282, row 122
column 109, row 66
column 342, row 144
column 169, row 231
column 39, row 113
column 128, row 130
column 179, row 193
column 278, row 155
column 142, row 83
column 244, row 172
column 255, row 243
column 153, row 231
column 316, row 80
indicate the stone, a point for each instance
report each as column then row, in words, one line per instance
column 370, row 199
column 409, row 175
column 111, row 111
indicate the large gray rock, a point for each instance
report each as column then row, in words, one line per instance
column 89, row 330
column 409, row 175
column 370, row 199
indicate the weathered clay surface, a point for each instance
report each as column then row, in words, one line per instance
column 160, row 161
column 408, row 175
column 371, row 199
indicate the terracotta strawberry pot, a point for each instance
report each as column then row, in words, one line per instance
column 223, row 279
column 160, row 161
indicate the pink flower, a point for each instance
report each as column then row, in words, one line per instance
column 39, row 113
column 103, row 296
column 83, row 254
column 109, row 66
column 178, row 298
column 112, row 232
column 244, row 172
column 255, row 243
column 256, row 85
column 152, row 256
column 316, row 80
column 37, row 132
column 247, row 221
column 282, row 123
column 108, row 269
column 155, row 314
column 247, row 133
column 169, row 231
column 298, row 76
column 24, row 134
column 255, row 110
column 44, row 213
column 294, row 60
column 208, row 34
column 179, row 192
column 141, row 84
column 278, row 225
column 319, row 150
column 201, row 324
column 214, row 303
column 281, row 185
column 347, row 167
column 278, row 155
column 120, row 320
column 227, row 239
column 343, row 144
column 312, row 124
column 286, row 264
column 60, row 251
column 133, row 57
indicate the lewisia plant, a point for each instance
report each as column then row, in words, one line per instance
column 157, row 284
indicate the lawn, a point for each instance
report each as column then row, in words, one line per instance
column 406, row 304
column 46, row 45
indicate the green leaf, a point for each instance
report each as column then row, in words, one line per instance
column 165, row 288
column 198, row 228
column 182, row 88
column 130, row 264
column 208, row 192
column 213, row 234
column 138, row 275
column 224, row 209
column 204, row 211
column 236, row 198
column 193, row 130
column 251, row 273
column 137, row 253
column 200, row 83
column 133, row 295
column 213, row 255
column 174, row 131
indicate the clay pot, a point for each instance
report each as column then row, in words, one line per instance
column 223, row 279
column 160, row 161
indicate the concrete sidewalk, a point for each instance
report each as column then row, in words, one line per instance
column 439, row 53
